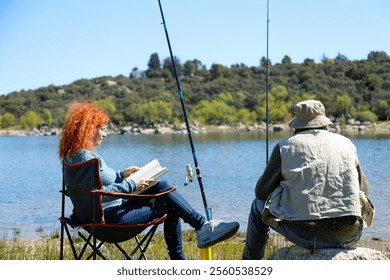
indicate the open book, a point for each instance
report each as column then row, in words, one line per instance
column 151, row 170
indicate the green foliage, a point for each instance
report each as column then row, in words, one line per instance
column 30, row 119
column 366, row 116
column 107, row 105
column 219, row 95
column 278, row 104
column 47, row 116
column 155, row 112
column 343, row 105
column 164, row 110
column 214, row 112
column 154, row 62
column 382, row 110
column 7, row 120
column 246, row 117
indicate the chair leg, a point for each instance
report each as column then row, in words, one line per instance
column 62, row 241
column 70, row 241
column 95, row 249
column 146, row 239
column 128, row 257
column 141, row 246
column 94, row 242
column 87, row 242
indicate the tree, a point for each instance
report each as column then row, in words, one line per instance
column 374, row 82
column 167, row 65
column 107, row 104
column 383, row 110
column 340, row 57
column 47, row 116
column 324, row 58
column 378, row 57
column 263, row 62
column 192, row 67
column 7, row 120
column 226, row 97
column 218, row 71
column 245, row 116
column 189, row 68
column 154, row 67
column 366, row 116
column 278, row 105
column 215, row 112
column 286, row 60
column 154, row 62
column 156, row 111
column 203, row 72
column 29, row 120
column 309, row 62
column 343, row 105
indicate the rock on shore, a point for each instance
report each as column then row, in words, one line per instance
column 299, row 253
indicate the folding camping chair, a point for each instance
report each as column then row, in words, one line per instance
column 82, row 184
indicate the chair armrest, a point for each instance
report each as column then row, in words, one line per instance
column 131, row 195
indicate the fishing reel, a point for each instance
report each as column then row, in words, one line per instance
column 189, row 175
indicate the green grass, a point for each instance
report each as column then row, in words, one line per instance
column 48, row 248
column 231, row 249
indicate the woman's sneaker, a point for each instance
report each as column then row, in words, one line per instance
column 215, row 231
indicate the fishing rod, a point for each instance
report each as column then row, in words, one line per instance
column 208, row 214
column 267, row 91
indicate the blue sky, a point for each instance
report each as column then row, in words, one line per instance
column 45, row 42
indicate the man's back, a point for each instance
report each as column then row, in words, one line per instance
column 320, row 179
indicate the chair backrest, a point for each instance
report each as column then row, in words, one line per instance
column 80, row 179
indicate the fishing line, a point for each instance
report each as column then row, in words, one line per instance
column 267, row 91
column 197, row 169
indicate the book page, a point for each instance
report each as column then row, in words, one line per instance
column 151, row 170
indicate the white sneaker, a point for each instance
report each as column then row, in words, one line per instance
column 215, row 231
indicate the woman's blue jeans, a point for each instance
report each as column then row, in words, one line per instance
column 258, row 231
column 176, row 207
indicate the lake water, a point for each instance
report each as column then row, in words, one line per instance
column 230, row 164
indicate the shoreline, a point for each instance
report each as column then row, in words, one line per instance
column 377, row 129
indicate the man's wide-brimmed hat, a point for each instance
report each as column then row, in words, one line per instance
column 309, row 114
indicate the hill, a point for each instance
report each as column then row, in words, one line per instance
column 235, row 95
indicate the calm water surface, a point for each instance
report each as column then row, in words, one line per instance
column 230, row 165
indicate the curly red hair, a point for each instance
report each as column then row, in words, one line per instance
column 80, row 128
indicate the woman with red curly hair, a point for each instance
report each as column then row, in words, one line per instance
column 83, row 131
column 80, row 128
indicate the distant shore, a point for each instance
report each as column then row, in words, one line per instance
column 382, row 128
